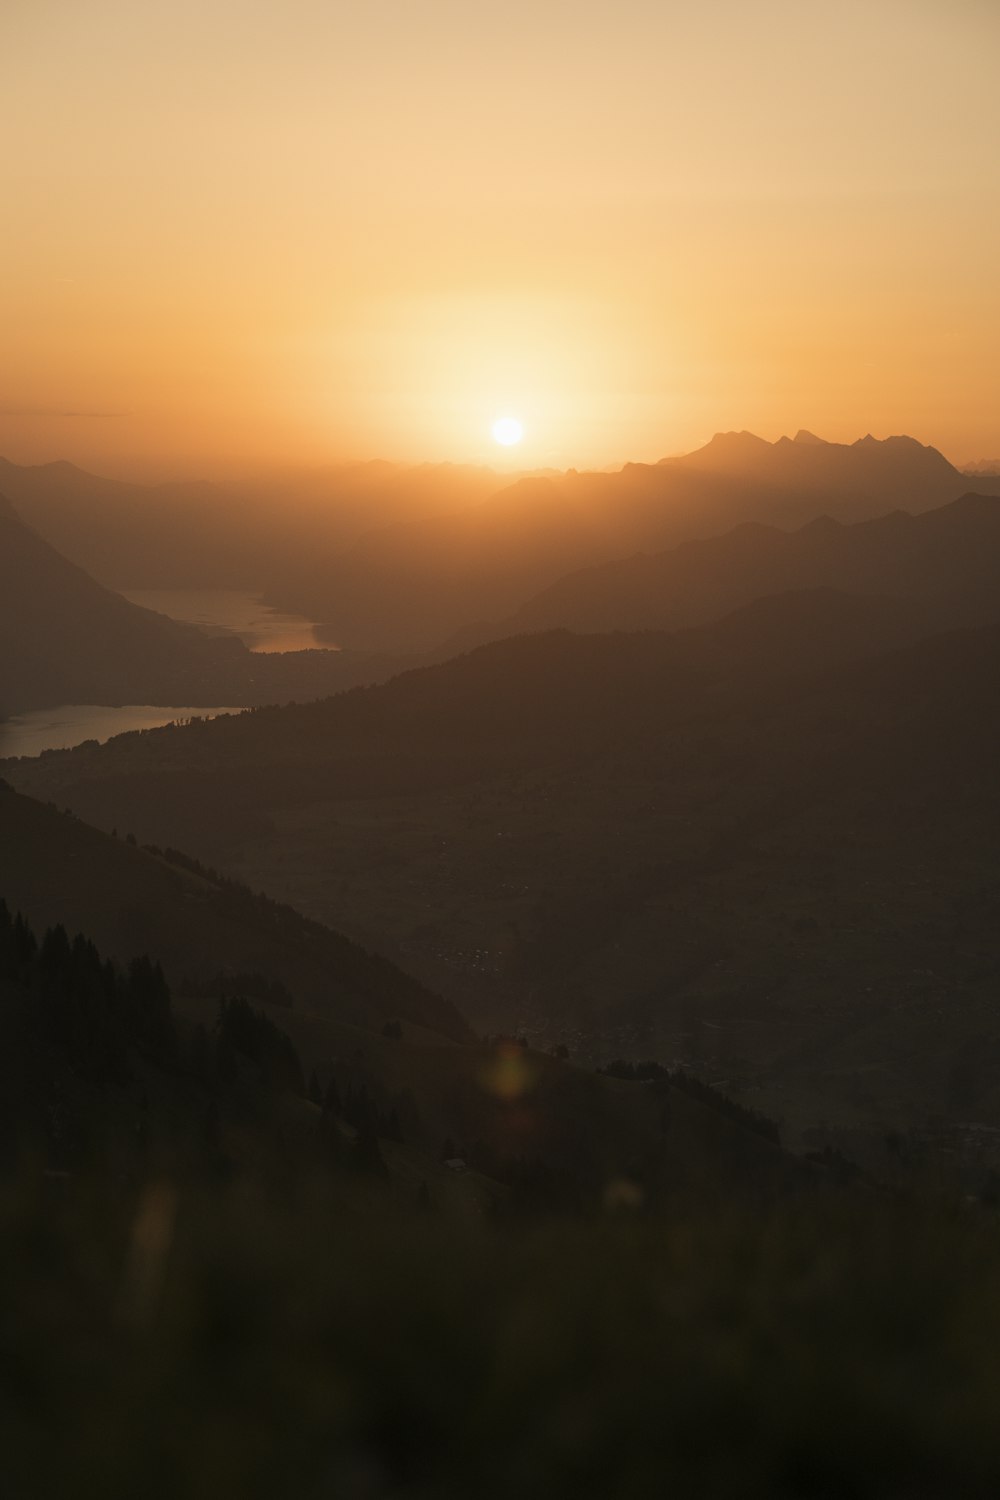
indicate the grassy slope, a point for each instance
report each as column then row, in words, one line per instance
column 257, row 1346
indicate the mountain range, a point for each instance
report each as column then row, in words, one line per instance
column 419, row 582
column 406, row 560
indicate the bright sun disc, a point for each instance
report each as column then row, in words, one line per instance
column 507, row 430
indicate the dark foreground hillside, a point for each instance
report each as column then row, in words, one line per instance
column 175, row 1342
column 227, row 1284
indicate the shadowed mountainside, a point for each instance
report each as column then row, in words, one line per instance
column 66, row 639
column 57, row 870
column 640, row 842
column 947, row 559
column 378, row 1034
column 503, row 705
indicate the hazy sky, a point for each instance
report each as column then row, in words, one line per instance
column 236, row 231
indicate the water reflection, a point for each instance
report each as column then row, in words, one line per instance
column 70, row 724
column 231, row 612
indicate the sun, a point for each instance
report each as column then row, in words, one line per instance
column 507, row 431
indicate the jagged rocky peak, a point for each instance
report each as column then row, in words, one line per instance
column 824, row 525
column 897, row 440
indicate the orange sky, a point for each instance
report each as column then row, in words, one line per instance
column 241, row 231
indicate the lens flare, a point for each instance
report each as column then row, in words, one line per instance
column 510, row 1074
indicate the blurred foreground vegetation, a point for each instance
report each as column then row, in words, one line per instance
column 221, row 1280
column 251, row 1340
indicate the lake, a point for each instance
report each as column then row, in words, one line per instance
column 219, row 611
column 71, row 724
column 231, row 612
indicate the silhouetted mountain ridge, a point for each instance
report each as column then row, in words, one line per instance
column 945, row 559
column 400, row 560
column 58, row 871
column 425, row 581
column 870, row 468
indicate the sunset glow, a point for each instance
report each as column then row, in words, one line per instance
column 359, row 231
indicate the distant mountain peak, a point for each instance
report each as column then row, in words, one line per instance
column 729, row 449
column 897, row 440
column 824, row 525
column 742, row 439
column 805, row 436
column 973, row 503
